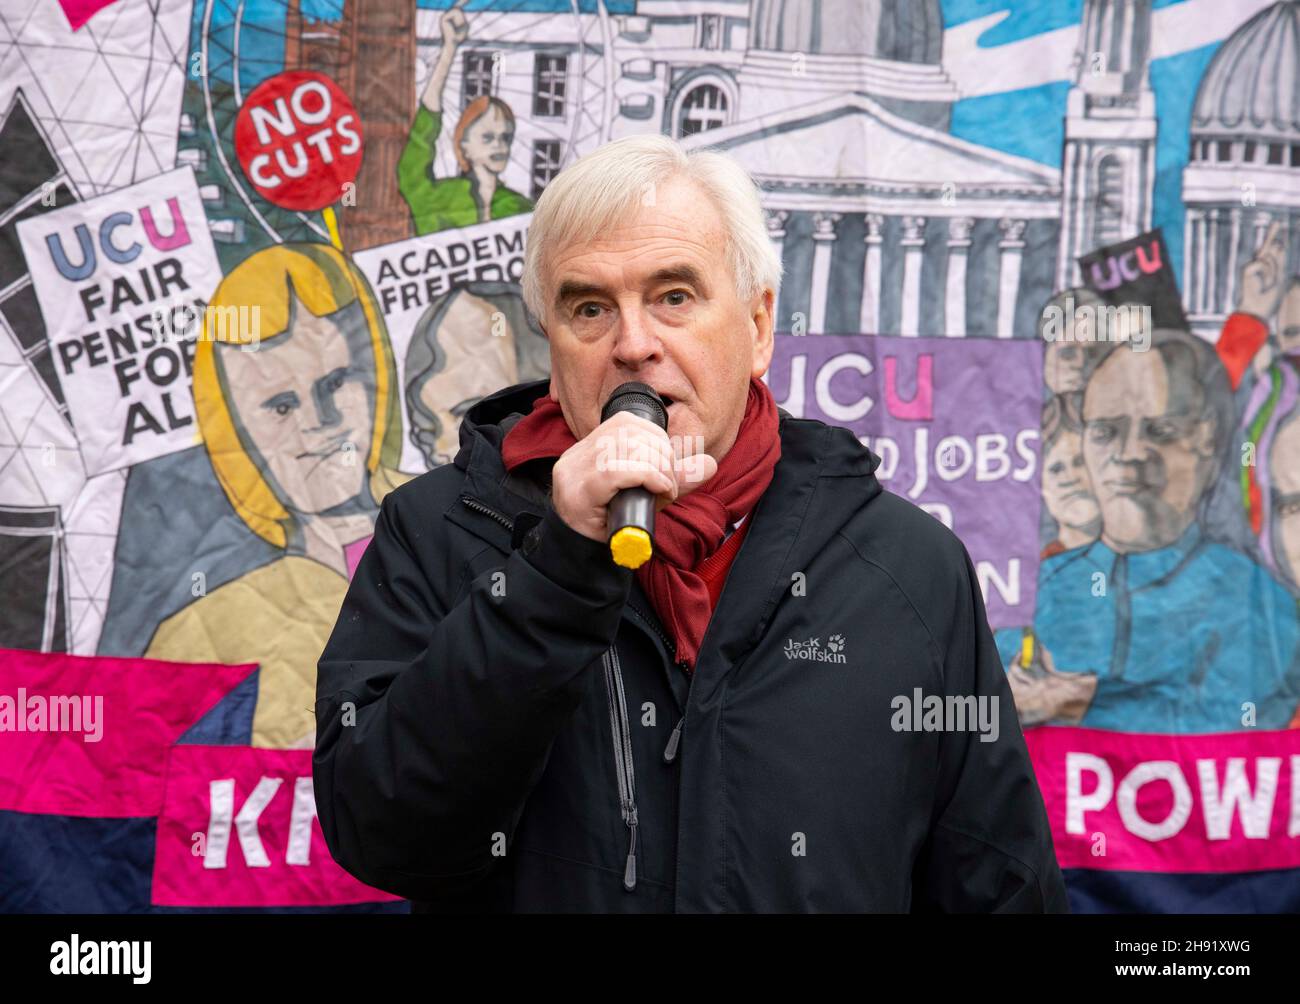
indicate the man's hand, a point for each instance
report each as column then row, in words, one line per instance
column 1044, row 695
column 1262, row 277
column 454, row 25
column 624, row 452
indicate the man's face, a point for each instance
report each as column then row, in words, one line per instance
column 1148, row 453
column 1067, row 491
column 487, row 141
column 654, row 300
column 1288, row 322
column 1284, row 467
column 479, row 358
column 303, row 400
column 1063, row 367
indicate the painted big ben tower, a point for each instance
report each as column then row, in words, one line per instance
column 1108, row 169
column 370, row 53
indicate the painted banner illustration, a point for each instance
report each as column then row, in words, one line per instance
column 122, row 292
column 259, row 257
column 955, row 424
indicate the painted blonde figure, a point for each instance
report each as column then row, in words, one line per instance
column 298, row 408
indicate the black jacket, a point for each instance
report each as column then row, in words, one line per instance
column 502, row 725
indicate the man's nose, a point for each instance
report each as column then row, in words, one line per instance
column 637, row 343
column 327, row 412
column 1131, row 450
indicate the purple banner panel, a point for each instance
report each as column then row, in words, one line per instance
column 956, row 425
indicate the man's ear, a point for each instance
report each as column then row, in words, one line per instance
column 763, row 318
column 1203, row 438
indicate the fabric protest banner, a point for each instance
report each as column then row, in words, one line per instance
column 1162, row 803
column 122, row 282
column 955, row 424
column 83, row 736
column 239, row 828
column 199, row 141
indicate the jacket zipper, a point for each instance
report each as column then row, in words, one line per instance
column 622, row 758
column 477, row 506
column 622, row 733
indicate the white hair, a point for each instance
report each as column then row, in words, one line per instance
column 604, row 187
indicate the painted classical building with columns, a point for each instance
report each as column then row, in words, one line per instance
column 1241, row 175
column 890, row 224
column 842, row 110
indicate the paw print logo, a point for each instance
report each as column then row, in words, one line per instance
column 835, row 643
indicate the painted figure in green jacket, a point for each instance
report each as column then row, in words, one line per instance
column 482, row 145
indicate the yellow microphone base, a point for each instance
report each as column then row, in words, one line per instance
column 631, row 547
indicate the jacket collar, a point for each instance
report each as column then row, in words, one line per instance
column 1146, row 568
column 482, row 430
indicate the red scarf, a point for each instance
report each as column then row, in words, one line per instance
column 692, row 528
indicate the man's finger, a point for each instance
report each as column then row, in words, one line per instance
column 1273, row 237
column 696, row 468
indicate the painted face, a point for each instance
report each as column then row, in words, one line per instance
column 304, row 404
column 1067, row 491
column 1148, row 453
column 486, row 143
column 1284, row 467
column 479, row 358
column 654, row 300
column 1288, row 322
column 1063, row 367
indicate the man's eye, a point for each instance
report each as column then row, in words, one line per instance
column 1056, row 468
column 1101, row 433
column 282, row 404
column 1162, row 432
column 678, row 292
column 582, row 310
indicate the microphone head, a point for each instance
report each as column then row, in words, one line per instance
column 638, row 398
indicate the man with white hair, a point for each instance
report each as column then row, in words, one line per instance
column 794, row 705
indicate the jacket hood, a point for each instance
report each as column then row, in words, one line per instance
column 484, row 419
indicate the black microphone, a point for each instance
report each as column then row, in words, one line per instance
column 631, row 511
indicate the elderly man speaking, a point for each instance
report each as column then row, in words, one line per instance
column 794, row 705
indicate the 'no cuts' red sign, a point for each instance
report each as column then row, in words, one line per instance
column 298, row 138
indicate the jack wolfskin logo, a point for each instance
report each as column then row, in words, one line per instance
column 812, row 649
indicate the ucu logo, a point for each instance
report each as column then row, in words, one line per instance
column 112, row 249
column 1122, row 268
